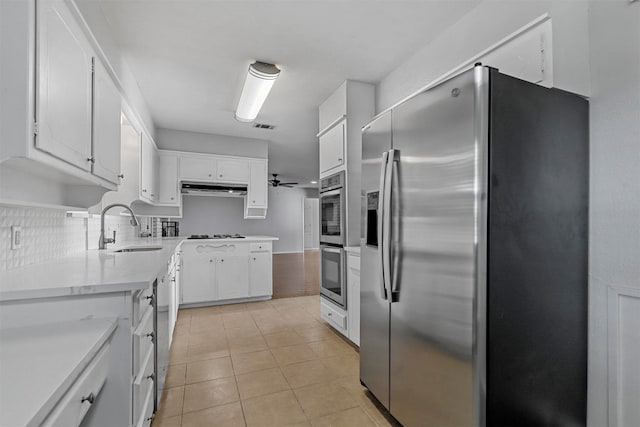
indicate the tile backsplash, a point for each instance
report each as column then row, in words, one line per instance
column 48, row 234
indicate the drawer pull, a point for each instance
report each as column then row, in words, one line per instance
column 151, row 335
column 151, row 376
column 89, row 399
column 329, row 314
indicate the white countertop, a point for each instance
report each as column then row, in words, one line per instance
column 97, row 271
column 39, row 363
column 236, row 240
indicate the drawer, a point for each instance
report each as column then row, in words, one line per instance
column 144, row 420
column 143, row 300
column 260, row 247
column 353, row 262
column 75, row 404
column 144, row 381
column 336, row 318
column 143, row 339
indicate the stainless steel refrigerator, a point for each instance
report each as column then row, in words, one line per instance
column 474, row 255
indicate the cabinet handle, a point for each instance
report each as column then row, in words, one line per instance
column 144, row 190
column 152, row 194
column 253, row 201
column 210, row 260
column 150, row 377
column 91, row 159
column 220, row 176
column 172, row 198
column 328, row 314
column 91, row 398
column 209, row 175
column 221, row 260
column 121, row 176
column 151, row 335
column 339, row 160
column 254, row 258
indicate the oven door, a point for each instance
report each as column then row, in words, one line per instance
column 333, row 284
column 332, row 218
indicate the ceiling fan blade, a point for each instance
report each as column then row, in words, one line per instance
column 285, row 185
column 288, row 183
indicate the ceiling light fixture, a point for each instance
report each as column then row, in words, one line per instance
column 314, row 182
column 257, row 86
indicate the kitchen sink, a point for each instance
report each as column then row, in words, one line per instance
column 140, row 249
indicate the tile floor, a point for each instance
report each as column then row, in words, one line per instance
column 269, row 363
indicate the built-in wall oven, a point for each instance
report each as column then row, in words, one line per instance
column 332, row 210
column 333, row 280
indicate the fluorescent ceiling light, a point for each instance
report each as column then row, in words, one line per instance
column 257, row 85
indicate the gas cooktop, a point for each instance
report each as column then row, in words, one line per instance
column 216, row 236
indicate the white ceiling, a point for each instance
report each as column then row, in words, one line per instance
column 190, row 58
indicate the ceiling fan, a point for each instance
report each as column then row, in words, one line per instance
column 277, row 183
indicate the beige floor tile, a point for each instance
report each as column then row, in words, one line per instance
column 240, row 345
column 354, row 417
column 343, row 365
column 207, row 350
column 374, row 409
column 273, row 326
column 306, row 373
column 167, row 422
column 206, row 323
column 332, row 347
column 316, row 333
column 178, row 354
column 220, row 416
column 293, row 354
column 263, row 382
column 278, row 409
column 175, row 375
column 171, row 402
column 259, row 306
column 244, row 332
column 209, row 370
column 255, row 361
column 181, row 329
column 283, row 339
column 241, row 319
column 323, row 399
column 206, row 394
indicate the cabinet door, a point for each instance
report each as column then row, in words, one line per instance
column 232, row 276
column 168, row 180
column 64, row 78
column 106, row 125
column 332, row 148
column 260, row 278
column 232, row 170
column 197, row 168
column 353, row 298
column 257, row 192
column 146, row 169
column 196, row 276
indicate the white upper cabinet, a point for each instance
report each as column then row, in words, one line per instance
column 148, row 170
column 333, row 109
column 332, row 148
column 232, row 170
column 64, row 95
column 257, row 193
column 106, row 125
column 168, row 179
column 201, row 168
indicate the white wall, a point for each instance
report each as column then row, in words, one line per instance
column 170, row 139
column 219, row 215
column 485, row 25
column 614, row 35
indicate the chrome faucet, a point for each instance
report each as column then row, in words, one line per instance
column 102, row 243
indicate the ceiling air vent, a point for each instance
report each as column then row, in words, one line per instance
column 263, row 126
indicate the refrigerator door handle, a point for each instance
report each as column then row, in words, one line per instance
column 381, row 218
column 386, row 227
column 394, row 219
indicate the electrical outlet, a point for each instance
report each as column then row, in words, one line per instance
column 16, row 236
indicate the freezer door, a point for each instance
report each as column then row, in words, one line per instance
column 433, row 212
column 374, row 308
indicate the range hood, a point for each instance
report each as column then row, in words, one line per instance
column 208, row 189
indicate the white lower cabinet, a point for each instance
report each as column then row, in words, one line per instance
column 212, row 271
column 77, row 401
column 260, row 277
column 353, row 297
column 232, row 276
column 335, row 316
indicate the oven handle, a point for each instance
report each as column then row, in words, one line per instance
column 333, row 251
column 331, row 193
column 381, row 219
